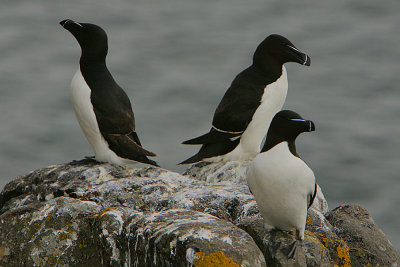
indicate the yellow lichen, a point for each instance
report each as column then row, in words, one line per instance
column 37, row 225
column 64, row 236
column 361, row 252
column 368, row 265
column 81, row 245
column 311, row 236
column 213, row 260
column 53, row 259
column 309, row 221
column 48, row 217
column 343, row 253
column 328, row 242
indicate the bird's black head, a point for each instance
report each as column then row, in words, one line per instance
column 278, row 49
column 91, row 38
column 286, row 126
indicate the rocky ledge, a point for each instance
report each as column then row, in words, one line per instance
column 88, row 214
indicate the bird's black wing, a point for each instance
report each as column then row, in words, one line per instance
column 240, row 102
column 126, row 148
column 312, row 196
column 113, row 109
column 116, row 121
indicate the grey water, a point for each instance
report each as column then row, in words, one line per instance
column 175, row 59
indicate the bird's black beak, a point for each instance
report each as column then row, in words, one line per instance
column 64, row 22
column 310, row 126
column 299, row 56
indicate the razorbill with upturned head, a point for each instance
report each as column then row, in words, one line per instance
column 283, row 185
column 102, row 108
column 249, row 105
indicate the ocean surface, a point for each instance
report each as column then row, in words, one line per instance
column 175, row 59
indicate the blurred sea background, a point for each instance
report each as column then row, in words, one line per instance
column 175, row 59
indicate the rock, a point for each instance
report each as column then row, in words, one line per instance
column 233, row 171
column 367, row 242
column 88, row 214
column 95, row 214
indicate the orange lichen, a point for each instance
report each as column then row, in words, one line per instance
column 309, row 221
column 343, row 253
column 213, row 260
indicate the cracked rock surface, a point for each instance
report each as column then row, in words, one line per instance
column 89, row 214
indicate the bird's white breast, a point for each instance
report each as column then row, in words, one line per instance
column 80, row 97
column 281, row 183
column 271, row 102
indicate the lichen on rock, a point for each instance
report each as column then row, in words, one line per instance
column 85, row 213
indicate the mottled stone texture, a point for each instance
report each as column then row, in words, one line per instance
column 366, row 240
column 88, row 214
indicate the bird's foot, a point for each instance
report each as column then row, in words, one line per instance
column 85, row 160
column 292, row 251
column 119, row 167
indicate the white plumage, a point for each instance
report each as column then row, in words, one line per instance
column 282, row 185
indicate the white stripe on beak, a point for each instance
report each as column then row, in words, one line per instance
column 78, row 24
column 305, row 61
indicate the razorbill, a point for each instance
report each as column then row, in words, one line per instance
column 283, row 185
column 102, row 108
column 249, row 104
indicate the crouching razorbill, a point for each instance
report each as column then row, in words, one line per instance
column 283, row 185
column 102, row 108
column 248, row 106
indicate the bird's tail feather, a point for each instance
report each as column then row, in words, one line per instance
column 208, row 151
column 213, row 136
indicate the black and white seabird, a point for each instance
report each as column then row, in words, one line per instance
column 283, row 185
column 250, row 103
column 102, row 108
